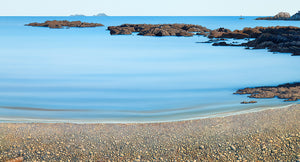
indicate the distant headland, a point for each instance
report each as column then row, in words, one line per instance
column 282, row 16
column 99, row 14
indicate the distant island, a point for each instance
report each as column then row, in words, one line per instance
column 81, row 15
column 100, row 14
column 77, row 15
column 282, row 16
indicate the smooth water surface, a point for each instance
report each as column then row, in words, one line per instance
column 87, row 75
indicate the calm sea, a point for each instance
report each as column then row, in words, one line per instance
column 87, row 75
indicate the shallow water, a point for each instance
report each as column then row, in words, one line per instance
column 88, row 75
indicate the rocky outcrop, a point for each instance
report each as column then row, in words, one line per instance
column 64, row 23
column 279, row 16
column 282, row 16
column 289, row 92
column 186, row 30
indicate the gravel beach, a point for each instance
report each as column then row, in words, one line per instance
column 269, row 135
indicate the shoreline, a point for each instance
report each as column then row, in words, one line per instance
column 82, row 121
column 267, row 135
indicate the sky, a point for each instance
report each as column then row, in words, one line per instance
column 147, row 8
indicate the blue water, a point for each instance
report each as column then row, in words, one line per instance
column 85, row 74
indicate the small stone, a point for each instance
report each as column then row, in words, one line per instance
column 202, row 147
column 232, row 148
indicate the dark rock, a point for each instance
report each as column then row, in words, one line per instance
column 236, row 35
column 226, row 44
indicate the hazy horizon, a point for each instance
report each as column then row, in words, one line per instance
column 151, row 8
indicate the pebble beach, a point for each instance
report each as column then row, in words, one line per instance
column 268, row 135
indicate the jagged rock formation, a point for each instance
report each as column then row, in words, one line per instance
column 158, row 30
column 289, row 92
column 64, row 23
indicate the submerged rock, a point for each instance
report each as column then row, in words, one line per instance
column 248, row 102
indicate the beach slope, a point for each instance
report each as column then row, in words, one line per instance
column 268, row 135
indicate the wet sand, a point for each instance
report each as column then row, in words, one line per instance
column 267, row 135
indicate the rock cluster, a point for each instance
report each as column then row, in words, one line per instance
column 158, row 29
column 64, row 23
column 276, row 39
column 289, row 92
column 281, row 16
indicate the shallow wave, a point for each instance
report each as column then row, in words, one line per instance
column 38, row 109
column 144, row 119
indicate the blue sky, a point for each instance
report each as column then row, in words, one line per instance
column 147, row 8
